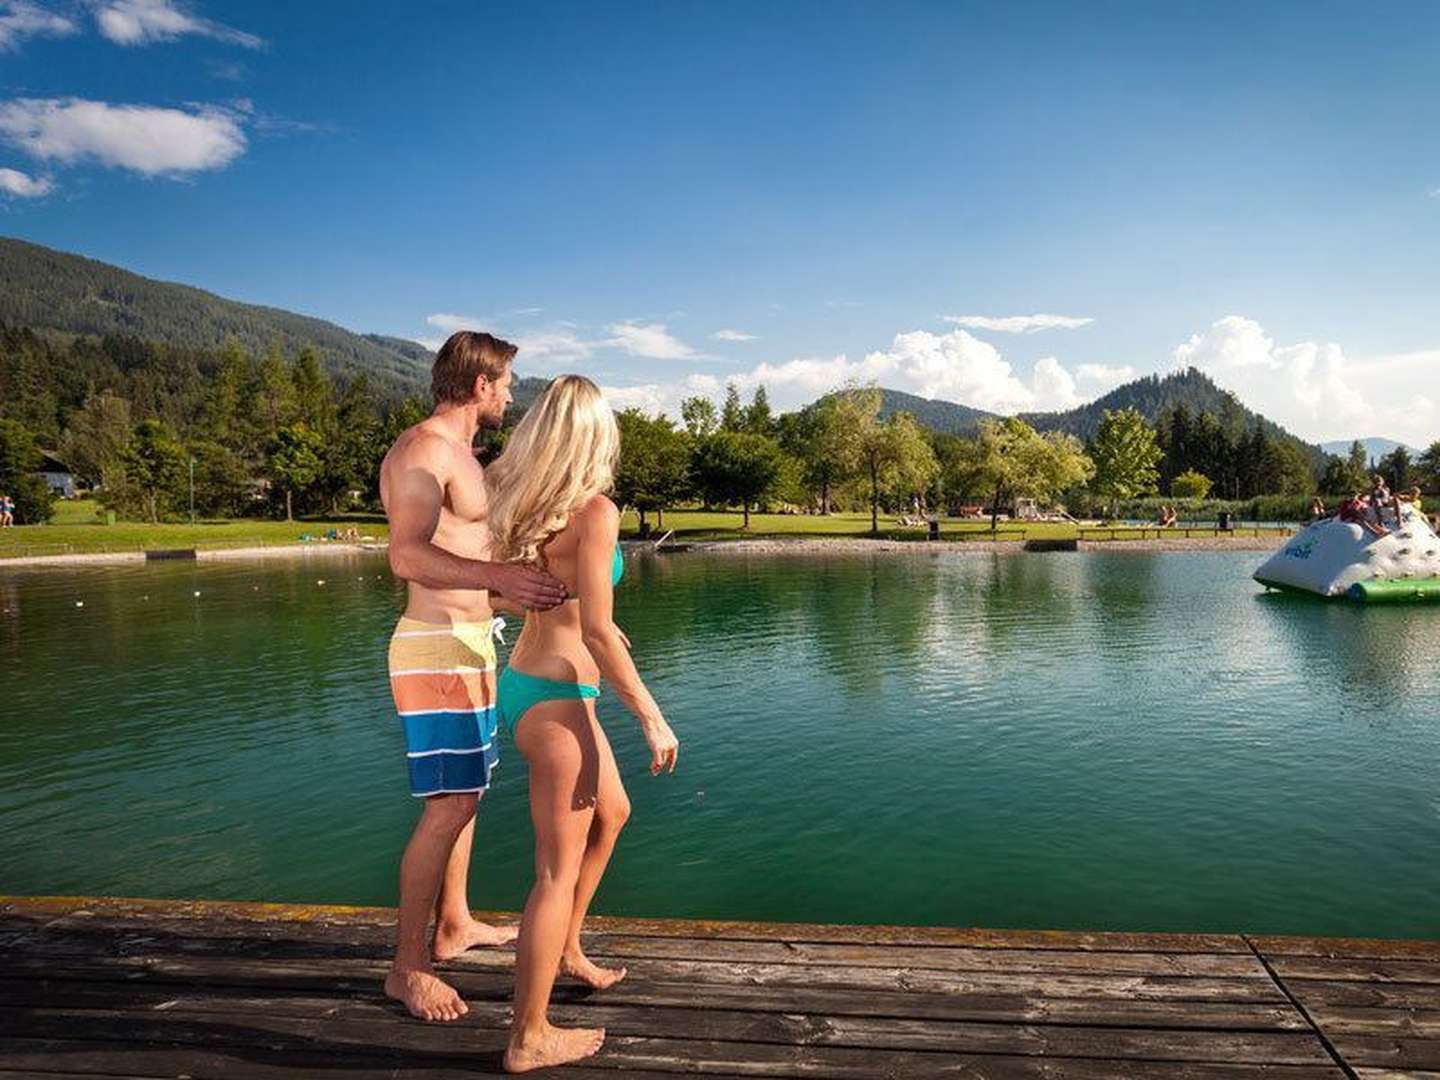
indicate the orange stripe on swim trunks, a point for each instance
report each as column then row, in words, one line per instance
column 419, row 692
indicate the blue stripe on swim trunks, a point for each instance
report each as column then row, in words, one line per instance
column 443, row 680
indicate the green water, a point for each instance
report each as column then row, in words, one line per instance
column 1100, row 741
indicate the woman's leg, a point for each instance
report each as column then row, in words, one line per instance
column 558, row 741
column 612, row 810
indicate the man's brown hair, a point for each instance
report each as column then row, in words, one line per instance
column 466, row 355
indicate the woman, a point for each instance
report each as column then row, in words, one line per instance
column 548, row 504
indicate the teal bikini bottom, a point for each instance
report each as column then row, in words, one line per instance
column 516, row 692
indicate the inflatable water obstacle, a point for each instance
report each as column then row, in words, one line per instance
column 1339, row 558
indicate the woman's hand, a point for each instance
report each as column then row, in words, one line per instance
column 664, row 747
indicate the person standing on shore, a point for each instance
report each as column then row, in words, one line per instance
column 442, row 655
column 548, row 503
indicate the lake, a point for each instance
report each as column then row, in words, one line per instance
column 1119, row 741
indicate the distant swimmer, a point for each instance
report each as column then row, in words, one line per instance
column 442, row 655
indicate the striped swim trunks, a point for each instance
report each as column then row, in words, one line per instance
column 443, row 679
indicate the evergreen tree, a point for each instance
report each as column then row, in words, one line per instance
column 1428, row 468
column 732, row 416
column 758, row 420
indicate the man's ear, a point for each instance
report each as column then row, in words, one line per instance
column 477, row 391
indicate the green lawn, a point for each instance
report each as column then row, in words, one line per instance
column 77, row 528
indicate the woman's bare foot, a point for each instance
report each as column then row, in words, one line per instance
column 552, row 1046
column 425, row 995
column 451, row 941
column 576, row 964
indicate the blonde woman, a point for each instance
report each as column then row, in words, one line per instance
column 548, row 504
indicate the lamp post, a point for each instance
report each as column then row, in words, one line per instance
column 192, row 489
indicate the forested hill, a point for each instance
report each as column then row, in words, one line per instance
column 48, row 290
column 1153, row 395
column 944, row 416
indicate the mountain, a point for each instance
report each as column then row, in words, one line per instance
column 944, row 416
column 1375, row 447
column 48, row 290
column 1153, row 394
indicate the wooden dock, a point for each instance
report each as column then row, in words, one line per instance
column 256, row 991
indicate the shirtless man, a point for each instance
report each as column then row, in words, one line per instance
column 442, row 656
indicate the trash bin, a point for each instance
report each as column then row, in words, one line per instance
column 109, row 517
column 934, row 528
column 1224, row 521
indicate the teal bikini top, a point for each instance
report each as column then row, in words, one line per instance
column 617, row 567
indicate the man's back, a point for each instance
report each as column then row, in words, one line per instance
column 432, row 484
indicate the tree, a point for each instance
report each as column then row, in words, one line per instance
column 1397, row 469
column 353, row 453
column 1428, row 467
column 894, row 458
column 1008, row 459
column 19, row 478
column 758, row 420
column 314, row 394
column 826, row 439
column 222, row 480
column 294, row 462
column 654, row 468
column 1346, row 475
column 699, row 416
column 1190, row 485
column 732, row 415
column 157, row 465
column 737, row 467
column 95, row 440
column 1125, row 454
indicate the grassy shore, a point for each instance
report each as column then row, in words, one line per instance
column 77, row 529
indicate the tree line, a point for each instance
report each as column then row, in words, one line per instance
column 148, row 424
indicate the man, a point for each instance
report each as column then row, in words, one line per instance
column 442, row 656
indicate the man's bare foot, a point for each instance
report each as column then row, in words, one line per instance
column 576, row 964
column 451, row 941
column 425, row 995
column 552, row 1046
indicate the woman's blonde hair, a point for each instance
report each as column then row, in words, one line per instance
column 558, row 458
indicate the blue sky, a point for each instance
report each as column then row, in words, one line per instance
column 1010, row 205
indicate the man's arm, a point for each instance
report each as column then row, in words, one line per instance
column 414, row 493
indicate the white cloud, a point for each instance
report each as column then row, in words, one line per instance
column 663, row 398
column 23, row 186
column 732, row 335
column 543, row 349
column 20, row 19
column 650, row 340
column 143, row 22
column 1434, row 193
column 1313, row 388
column 1017, row 324
column 952, row 367
column 152, row 141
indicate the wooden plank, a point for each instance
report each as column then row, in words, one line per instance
column 289, row 940
column 1271, row 946
column 1388, row 1052
column 35, row 1057
column 1412, row 1023
column 357, row 1031
column 1395, row 1074
column 1345, row 968
column 84, row 989
column 1312, row 993
column 696, row 928
column 230, row 969
column 99, row 1059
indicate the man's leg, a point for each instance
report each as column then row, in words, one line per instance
column 455, row 928
column 411, row 979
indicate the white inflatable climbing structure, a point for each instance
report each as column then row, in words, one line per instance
column 1339, row 558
